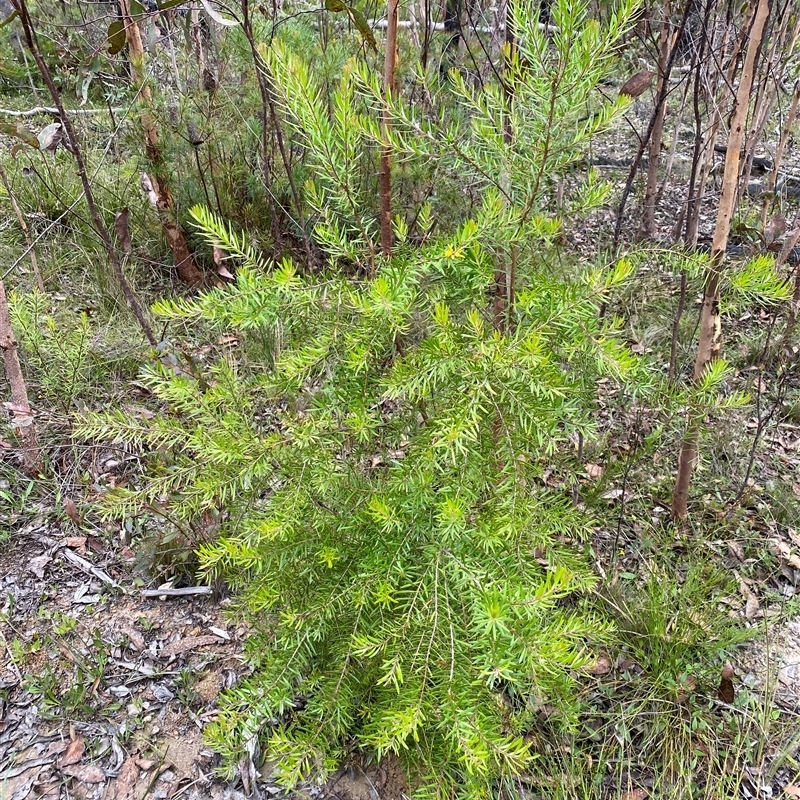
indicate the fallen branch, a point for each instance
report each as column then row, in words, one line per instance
column 54, row 111
column 89, row 568
column 186, row 590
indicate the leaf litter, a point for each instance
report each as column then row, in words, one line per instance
column 95, row 702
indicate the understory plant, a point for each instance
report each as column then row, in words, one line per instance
column 373, row 450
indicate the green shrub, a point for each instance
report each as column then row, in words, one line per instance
column 377, row 458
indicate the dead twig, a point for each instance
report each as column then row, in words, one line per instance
column 182, row 592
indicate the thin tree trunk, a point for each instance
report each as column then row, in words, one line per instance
column 97, row 220
column 661, row 98
column 20, row 408
column 710, row 339
column 181, row 255
column 25, row 231
column 692, row 221
column 794, row 310
column 771, row 73
column 693, row 196
column 385, row 175
column 779, row 150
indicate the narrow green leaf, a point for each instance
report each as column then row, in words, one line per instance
column 116, row 37
column 356, row 17
column 9, row 19
column 360, row 21
column 164, row 5
column 19, row 131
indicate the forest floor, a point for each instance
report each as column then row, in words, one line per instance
column 105, row 692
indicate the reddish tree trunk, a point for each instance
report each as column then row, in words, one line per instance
column 181, row 255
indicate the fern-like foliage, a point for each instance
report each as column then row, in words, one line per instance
column 417, row 586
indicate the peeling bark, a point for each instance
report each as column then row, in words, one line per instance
column 710, row 339
column 182, row 257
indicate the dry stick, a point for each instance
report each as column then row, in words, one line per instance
column 99, row 226
column 673, row 148
column 164, row 205
column 794, row 305
column 182, row 592
column 89, row 568
column 267, row 92
column 666, row 42
column 385, row 174
column 693, row 198
column 772, row 179
column 264, row 90
column 20, row 408
column 51, row 110
column 661, row 98
column 693, row 219
column 710, row 339
column 763, row 419
column 25, row 231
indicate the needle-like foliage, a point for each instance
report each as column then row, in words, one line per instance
column 415, row 584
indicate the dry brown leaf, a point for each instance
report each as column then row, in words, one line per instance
column 189, row 643
column 56, row 748
column 73, row 754
column 726, row 691
column 602, row 666
column 775, row 228
column 634, row 794
column 71, row 510
column 727, row 671
column 735, row 549
column 751, row 604
column 594, row 470
column 637, row 84
column 790, row 790
column 37, row 565
column 77, row 543
column 135, row 638
column 126, row 780
column 122, row 229
column 784, row 551
column 85, row 774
